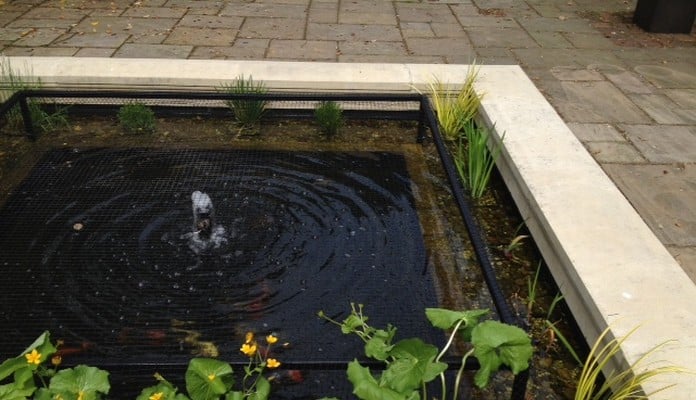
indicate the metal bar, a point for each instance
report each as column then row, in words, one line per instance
column 26, row 117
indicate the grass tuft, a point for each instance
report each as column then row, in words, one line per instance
column 136, row 118
column 247, row 112
column 329, row 117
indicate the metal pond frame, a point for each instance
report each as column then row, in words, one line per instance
column 425, row 115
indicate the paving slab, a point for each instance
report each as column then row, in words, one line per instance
column 274, row 28
column 686, row 257
column 111, row 40
column 501, row 37
column 663, row 144
column 596, row 132
column 594, row 101
column 448, row 47
column 614, row 152
column 664, row 196
column 343, row 32
column 685, row 98
column 138, row 50
column 626, row 80
column 40, row 37
column 663, row 110
column 297, row 11
column 188, row 36
column 416, row 12
column 674, row 76
column 241, row 49
column 306, row 50
column 371, row 47
column 536, row 58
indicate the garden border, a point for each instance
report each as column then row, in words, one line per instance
column 610, row 267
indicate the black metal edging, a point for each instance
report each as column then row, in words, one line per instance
column 426, row 117
column 519, row 386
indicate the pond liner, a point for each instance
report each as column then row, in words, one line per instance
column 426, row 119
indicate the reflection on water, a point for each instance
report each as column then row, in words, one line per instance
column 290, row 233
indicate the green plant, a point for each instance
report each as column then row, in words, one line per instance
column 329, row 116
column 136, row 118
column 621, row 384
column 208, row 379
column 476, row 163
column 410, row 364
column 81, row 382
column 247, row 111
column 11, row 81
column 454, row 111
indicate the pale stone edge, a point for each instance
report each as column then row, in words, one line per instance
column 610, row 267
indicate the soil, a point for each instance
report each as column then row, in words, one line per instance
column 553, row 372
column 619, row 27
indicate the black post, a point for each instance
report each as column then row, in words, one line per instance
column 422, row 119
column 665, row 16
column 26, row 118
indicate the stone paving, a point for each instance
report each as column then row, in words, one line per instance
column 629, row 97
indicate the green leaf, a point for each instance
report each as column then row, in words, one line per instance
column 41, row 394
column 263, row 389
column 377, row 348
column 9, row 366
column 365, row 386
column 208, row 379
column 169, row 392
column 235, row 395
column 496, row 343
column 90, row 381
column 446, row 319
column 42, row 344
column 11, row 391
column 413, row 365
column 351, row 323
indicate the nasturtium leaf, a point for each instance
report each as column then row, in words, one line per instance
column 496, row 343
column 413, row 365
column 365, row 385
column 208, row 379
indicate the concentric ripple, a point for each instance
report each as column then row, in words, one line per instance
column 96, row 247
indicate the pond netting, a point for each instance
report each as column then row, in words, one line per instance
column 139, row 258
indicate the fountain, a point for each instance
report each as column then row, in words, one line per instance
column 206, row 234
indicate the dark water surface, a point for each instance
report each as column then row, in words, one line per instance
column 95, row 246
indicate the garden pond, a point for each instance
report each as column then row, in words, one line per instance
column 98, row 219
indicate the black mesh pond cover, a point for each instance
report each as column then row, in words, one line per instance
column 98, row 247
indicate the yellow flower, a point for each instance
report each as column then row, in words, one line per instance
column 81, row 395
column 248, row 349
column 156, row 396
column 211, row 377
column 273, row 363
column 271, row 339
column 249, row 337
column 34, row 357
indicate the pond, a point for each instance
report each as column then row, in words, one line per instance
column 100, row 225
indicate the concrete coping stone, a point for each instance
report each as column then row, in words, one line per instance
column 610, row 267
